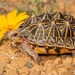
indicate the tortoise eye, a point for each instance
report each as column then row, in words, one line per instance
column 15, row 34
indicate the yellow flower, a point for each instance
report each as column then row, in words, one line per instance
column 2, row 33
column 11, row 22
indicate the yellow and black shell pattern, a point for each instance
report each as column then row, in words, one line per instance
column 50, row 33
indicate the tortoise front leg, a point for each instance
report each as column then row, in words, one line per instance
column 31, row 52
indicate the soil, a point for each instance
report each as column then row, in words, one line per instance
column 16, row 62
column 66, row 6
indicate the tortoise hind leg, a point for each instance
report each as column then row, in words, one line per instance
column 73, row 53
column 29, row 51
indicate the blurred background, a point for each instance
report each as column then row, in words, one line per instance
column 38, row 6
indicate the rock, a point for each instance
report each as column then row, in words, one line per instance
column 28, row 64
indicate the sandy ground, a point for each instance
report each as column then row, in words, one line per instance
column 15, row 62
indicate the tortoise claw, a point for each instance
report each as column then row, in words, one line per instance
column 36, row 59
column 30, row 51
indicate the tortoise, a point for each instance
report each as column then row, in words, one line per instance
column 46, row 34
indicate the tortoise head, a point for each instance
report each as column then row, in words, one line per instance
column 12, row 34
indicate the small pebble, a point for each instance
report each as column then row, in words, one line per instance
column 29, row 64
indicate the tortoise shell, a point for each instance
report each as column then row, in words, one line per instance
column 50, row 33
